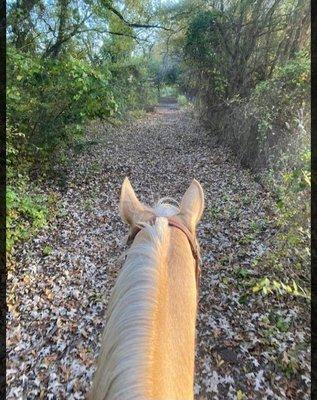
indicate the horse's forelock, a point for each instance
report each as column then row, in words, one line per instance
column 165, row 208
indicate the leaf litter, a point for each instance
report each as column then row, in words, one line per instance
column 59, row 282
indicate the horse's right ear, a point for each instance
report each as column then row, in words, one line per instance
column 130, row 206
column 192, row 205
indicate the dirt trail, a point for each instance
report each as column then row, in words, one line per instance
column 56, row 294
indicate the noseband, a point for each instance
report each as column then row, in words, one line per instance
column 190, row 237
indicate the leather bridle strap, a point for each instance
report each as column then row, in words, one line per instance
column 193, row 245
column 172, row 221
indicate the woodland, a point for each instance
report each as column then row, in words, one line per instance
column 87, row 81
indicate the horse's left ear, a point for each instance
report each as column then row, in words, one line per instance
column 130, row 206
column 192, row 205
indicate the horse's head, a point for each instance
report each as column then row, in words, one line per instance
column 135, row 213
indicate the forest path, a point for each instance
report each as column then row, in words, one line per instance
column 56, row 293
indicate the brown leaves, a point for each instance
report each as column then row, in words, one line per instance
column 49, row 294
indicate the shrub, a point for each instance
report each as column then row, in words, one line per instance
column 131, row 85
column 273, row 122
column 49, row 100
column 27, row 211
column 182, row 100
column 169, row 91
column 282, row 107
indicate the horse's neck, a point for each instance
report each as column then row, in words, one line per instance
column 148, row 344
column 173, row 367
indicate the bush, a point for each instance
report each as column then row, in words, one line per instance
column 169, row 91
column 27, row 211
column 272, row 122
column 290, row 252
column 131, row 85
column 182, row 100
column 48, row 100
column 283, row 111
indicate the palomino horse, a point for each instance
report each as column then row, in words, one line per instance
column 148, row 345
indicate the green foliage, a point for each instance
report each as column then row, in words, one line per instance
column 169, row 91
column 182, row 100
column 291, row 246
column 49, row 100
column 164, row 72
column 290, row 252
column 26, row 212
column 201, row 37
column 204, row 49
column 47, row 250
column 137, row 114
column 294, row 74
column 243, row 273
column 278, row 100
column 131, row 84
column 229, row 49
column 266, row 286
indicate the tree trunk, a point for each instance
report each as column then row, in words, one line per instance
column 55, row 49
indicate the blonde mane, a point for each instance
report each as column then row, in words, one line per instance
column 131, row 314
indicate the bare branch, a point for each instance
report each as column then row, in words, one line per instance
column 111, row 33
column 135, row 25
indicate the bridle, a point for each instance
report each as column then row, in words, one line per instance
column 172, row 221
